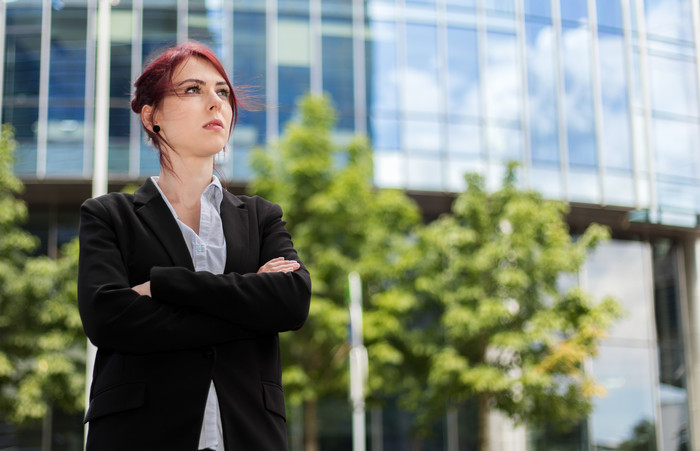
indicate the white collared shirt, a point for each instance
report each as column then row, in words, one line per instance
column 208, row 252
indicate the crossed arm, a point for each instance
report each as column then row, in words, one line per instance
column 187, row 309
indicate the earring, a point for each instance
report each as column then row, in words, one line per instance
column 156, row 129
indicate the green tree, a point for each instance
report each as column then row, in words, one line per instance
column 340, row 223
column 480, row 315
column 42, row 346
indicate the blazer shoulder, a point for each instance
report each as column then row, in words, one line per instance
column 255, row 203
column 112, row 203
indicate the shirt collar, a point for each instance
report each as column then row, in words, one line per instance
column 213, row 193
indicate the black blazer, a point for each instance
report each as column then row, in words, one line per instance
column 156, row 356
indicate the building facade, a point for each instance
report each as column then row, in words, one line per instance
column 598, row 100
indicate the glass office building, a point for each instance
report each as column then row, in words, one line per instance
column 597, row 99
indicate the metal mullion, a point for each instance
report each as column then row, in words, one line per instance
column 44, row 67
column 524, row 98
column 271, row 74
column 561, row 101
column 481, row 43
column 597, row 96
column 629, row 69
column 646, row 105
column 316, row 44
column 687, row 289
column 359, row 70
column 3, row 20
column 90, row 67
column 182, row 21
column 401, row 64
column 653, row 347
column 136, row 61
column 227, row 37
column 444, row 90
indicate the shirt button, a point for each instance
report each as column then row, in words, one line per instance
column 208, row 353
column 199, row 248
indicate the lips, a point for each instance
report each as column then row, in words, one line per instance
column 214, row 124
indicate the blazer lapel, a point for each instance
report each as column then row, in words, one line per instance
column 151, row 208
column 234, row 218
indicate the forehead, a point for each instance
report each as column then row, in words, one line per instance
column 195, row 67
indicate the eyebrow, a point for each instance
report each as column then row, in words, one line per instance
column 201, row 82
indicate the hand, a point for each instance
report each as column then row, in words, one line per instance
column 143, row 289
column 279, row 264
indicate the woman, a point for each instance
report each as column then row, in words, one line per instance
column 183, row 287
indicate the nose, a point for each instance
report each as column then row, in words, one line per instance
column 215, row 100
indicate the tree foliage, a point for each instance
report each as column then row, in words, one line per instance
column 340, row 223
column 479, row 312
column 42, row 346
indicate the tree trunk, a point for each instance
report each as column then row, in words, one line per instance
column 311, row 426
column 484, row 442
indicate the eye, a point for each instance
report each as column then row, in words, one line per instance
column 224, row 92
column 194, row 89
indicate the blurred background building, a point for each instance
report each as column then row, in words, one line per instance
column 598, row 100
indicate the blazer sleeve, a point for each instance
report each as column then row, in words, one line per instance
column 116, row 317
column 267, row 302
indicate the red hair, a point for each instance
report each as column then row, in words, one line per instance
column 155, row 83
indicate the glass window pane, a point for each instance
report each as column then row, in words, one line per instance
column 504, row 143
column 678, row 196
column 383, row 86
column 294, row 82
column 300, row 7
column 625, row 364
column 119, row 122
column 460, row 4
column 338, row 76
column 336, row 8
column 619, row 188
column 673, row 85
column 574, row 11
column 669, row 18
column 421, row 91
column 503, row 87
column 675, row 148
column 464, row 138
column 159, row 27
column 463, row 71
column 624, row 417
column 541, row 8
column 293, row 42
column 389, row 169
column 249, row 53
column 580, row 125
column 456, row 169
column 626, row 283
column 609, row 13
column 583, row 185
column 615, row 139
column 424, row 173
column 21, row 80
column 385, row 133
column 542, row 91
column 205, row 23
column 421, row 135
column 546, row 180
column 669, row 331
column 66, row 114
column 502, row 6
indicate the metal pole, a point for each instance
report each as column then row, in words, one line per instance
column 99, row 171
column 358, row 364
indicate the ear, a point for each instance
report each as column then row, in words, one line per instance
column 147, row 114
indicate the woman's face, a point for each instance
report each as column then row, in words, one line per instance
column 196, row 121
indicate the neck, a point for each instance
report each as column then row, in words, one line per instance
column 187, row 180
